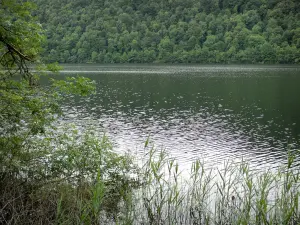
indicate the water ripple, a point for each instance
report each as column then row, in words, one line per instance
column 213, row 113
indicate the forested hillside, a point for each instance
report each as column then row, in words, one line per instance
column 173, row 31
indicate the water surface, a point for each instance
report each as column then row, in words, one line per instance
column 211, row 112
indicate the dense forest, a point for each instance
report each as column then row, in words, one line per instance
column 173, row 31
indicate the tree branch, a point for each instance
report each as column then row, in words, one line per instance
column 12, row 48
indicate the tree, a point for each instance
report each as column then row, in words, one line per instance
column 121, row 26
column 165, row 48
column 20, row 42
column 36, row 160
column 26, row 107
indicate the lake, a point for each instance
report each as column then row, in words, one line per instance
column 210, row 112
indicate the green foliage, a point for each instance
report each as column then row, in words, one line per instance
column 67, row 177
column 59, row 175
column 21, row 36
column 25, row 105
column 41, row 164
column 168, row 31
column 79, row 85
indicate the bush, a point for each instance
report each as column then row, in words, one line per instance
column 68, row 177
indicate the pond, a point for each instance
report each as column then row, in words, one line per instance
column 194, row 111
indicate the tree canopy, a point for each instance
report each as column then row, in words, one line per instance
column 205, row 31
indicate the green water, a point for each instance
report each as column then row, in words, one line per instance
column 212, row 112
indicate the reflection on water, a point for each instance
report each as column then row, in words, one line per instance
column 212, row 112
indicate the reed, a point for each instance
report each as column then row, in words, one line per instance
column 232, row 195
column 158, row 192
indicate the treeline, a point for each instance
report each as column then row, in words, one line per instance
column 173, row 31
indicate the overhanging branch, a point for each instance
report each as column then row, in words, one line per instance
column 13, row 49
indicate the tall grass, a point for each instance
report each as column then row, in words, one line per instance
column 159, row 192
column 232, row 195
